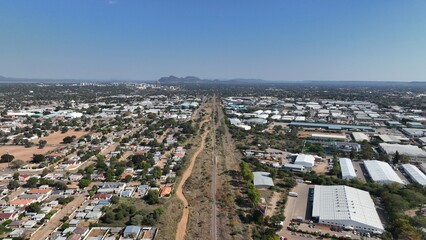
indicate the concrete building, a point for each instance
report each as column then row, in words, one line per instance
column 308, row 161
column 346, row 207
column 415, row 174
column 381, row 172
column 348, row 170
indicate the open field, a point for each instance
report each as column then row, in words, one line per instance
column 22, row 152
column 182, row 226
column 57, row 137
column 198, row 192
column 229, row 224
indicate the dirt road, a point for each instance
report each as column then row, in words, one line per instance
column 55, row 221
column 182, row 225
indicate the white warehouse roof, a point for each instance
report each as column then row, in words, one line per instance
column 262, row 179
column 359, row 137
column 347, row 207
column 381, row 172
column 307, row 161
column 409, row 150
column 348, row 170
column 415, row 174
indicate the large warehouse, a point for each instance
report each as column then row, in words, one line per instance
column 347, row 168
column 415, row 174
column 382, row 172
column 415, row 153
column 346, row 207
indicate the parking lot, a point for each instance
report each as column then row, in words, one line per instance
column 359, row 171
column 296, row 207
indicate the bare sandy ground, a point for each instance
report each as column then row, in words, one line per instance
column 23, row 153
column 57, row 137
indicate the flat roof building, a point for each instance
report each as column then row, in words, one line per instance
column 415, row 174
column 381, row 172
column 360, row 137
column 346, row 207
column 329, row 137
column 308, row 161
column 262, row 180
column 415, row 153
column 347, row 168
column 331, row 126
column 414, row 132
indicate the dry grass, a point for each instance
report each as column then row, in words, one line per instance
column 57, row 137
column 321, row 168
column 228, row 159
column 198, row 193
column 23, row 153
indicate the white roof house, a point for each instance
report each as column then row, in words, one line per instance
column 262, row 180
column 346, row 207
column 308, row 161
column 382, row 172
column 415, row 174
column 348, row 170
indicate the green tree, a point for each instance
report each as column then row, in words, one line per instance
column 16, row 164
column 68, row 139
column 83, row 183
column 396, row 158
column 115, row 199
column 34, row 207
column 31, row 183
column 42, row 143
column 15, row 176
column 5, row 158
column 13, row 184
column 38, row 158
column 152, row 197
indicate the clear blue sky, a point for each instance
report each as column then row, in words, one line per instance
column 269, row 39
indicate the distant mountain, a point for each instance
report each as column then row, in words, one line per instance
column 196, row 80
column 182, row 80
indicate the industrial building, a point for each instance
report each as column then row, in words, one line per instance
column 294, row 167
column 414, row 132
column 360, row 137
column 262, row 180
column 308, row 161
column 415, row 153
column 332, row 126
column 329, row 137
column 414, row 173
column 381, row 172
column 347, row 168
column 346, row 207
